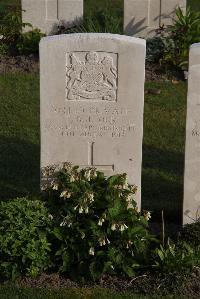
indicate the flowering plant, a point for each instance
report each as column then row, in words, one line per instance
column 97, row 225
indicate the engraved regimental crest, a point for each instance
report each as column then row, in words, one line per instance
column 91, row 76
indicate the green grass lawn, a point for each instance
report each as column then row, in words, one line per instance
column 76, row 293
column 163, row 147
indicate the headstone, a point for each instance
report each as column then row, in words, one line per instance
column 191, row 207
column 143, row 17
column 92, row 96
column 47, row 14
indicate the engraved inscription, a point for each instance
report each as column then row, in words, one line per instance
column 91, row 76
column 92, row 122
column 196, row 130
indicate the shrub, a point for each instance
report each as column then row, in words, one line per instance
column 155, row 48
column 29, row 42
column 177, row 259
column 98, row 228
column 184, row 32
column 102, row 21
column 191, row 234
column 13, row 40
column 24, row 248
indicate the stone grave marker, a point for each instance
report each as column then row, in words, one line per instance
column 92, row 96
column 47, row 14
column 142, row 17
column 191, row 206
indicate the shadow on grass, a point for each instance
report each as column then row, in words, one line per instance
column 162, row 183
column 20, row 168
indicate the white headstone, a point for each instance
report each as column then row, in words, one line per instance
column 191, row 207
column 47, row 14
column 92, row 96
column 142, row 17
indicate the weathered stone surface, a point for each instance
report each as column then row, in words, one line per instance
column 46, row 14
column 191, row 207
column 92, row 94
column 142, row 17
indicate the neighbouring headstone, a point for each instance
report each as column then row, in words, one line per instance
column 92, row 96
column 191, row 206
column 47, row 14
column 143, row 17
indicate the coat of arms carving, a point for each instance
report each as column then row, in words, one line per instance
column 91, row 76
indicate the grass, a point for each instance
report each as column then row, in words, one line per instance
column 12, row 292
column 19, row 135
column 76, row 293
column 163, row 146
column 163, row 150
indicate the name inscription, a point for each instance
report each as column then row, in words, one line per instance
column 91, row 122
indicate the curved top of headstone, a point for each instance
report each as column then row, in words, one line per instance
column 194, row 54
column 93, row 36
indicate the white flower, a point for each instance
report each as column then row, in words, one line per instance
column 113, row 227
column 147, row 215
column 72, row 178
column 107, row 240
column 44, row 187
column 86, row 210
column 67, row 166
column 63, row 223
column 80, row 210
column 130, row 206
column 129, row 244
column 133, row 189
column 82, row 235
column 75, row 208
column 65, row 194
column 94, row 173
column 91, row 251
column 87, row 174
column 125, row 185
column 122, row 228
column 50, row 217
column 102, row 241
column 55, row 186
column 101, row 221
column 90, row 196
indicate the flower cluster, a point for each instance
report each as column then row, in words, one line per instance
column 97, row 218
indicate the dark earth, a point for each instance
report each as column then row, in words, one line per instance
column 30, row 64
column 145, row 284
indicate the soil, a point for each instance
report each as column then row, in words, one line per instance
column 22, row 64
column 145, row 284
column 30, row 64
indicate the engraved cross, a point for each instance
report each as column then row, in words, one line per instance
column 107, row 169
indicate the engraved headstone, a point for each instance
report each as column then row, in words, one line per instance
column 143, row 17
column 92, row 94
column 47, row 14
column 191, row 206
